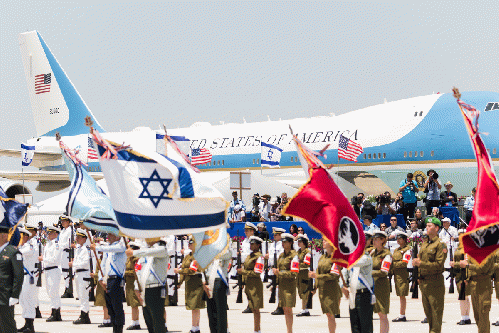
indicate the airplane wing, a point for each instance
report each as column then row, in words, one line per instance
column 40, row 158
column 48, row 181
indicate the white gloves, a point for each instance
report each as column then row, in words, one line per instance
column 13, row 301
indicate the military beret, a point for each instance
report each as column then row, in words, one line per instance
column 434, row 220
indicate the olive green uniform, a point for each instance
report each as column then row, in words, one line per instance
column 496, row 273
column 130, row 296
column 432, row 254
column 480, row 286
column 100, row 292
column 381, row 282
column 12, row 277
column 302, row 283
column 458, row 272
column 253, row 283
column 329, row 287
column 400, row 272
column 193, row 285
column 286, row 280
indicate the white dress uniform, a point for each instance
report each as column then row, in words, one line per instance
column 81, row 267
column 245, row 249
column 28, row 292
column 64, row 244
column 52, row 262
column 274, row 247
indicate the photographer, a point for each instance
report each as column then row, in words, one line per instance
column 383, row 204
column 398, row 205
column 409, row 188
column 255, row 212
column 432, row 188
column 357, row 203
column 264, row 207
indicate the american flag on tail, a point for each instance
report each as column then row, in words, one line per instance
column 348, row 149
column 91, row 154
column 200, row 156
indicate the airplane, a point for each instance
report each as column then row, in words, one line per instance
column 409, row 135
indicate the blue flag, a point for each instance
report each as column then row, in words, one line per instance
column 86, row 200
column 27, row 154
column 209, row 245
column 271, row 155
column 11, row 212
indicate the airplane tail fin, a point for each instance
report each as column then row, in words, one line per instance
column 57, row 106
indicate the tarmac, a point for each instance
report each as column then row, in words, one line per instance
column 179, row 319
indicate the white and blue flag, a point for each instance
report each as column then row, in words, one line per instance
column 27, row 154
column 209, row 245
column 271, row 155
column 154, row 195
column 86, row 200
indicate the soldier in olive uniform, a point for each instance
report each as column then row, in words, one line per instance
column 131, row 297
column 369, row 240
column 304, row 255
column 12, row 273
column 329, row 288
column 431, row 259
column 153, row 265
column 495, row 277
column 194, row 290
column 287, row 279
column 401, row 257
column 464, row 305
column 253, row 266
column 382, row 259
column 480, row 286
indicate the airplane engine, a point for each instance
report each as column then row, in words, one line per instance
column 11, row 188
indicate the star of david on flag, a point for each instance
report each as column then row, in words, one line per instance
column 27, row 154
column 154, row 195
column 271, row 155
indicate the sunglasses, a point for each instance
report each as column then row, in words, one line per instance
column 394, row 220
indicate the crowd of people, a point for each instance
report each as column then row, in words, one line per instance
column 264, row 209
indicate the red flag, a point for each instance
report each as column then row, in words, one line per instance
column 321, row 203
column 482, row 235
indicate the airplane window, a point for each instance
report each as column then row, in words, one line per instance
column 494, row 151
column 218, row 163
column 365, row 156
column 416, row 114
column 420, row 113
column 223, row 162
column 369, row 156
column 379, row 155
column 432, row 153
column 292, row 159
column 253, row 161
column 405, row 154
column 257, row 161
column 374, row 156
column 421, row 153
column 415, row 154
column 384, row 155
column 410, row 154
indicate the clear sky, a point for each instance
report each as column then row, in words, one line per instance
column 175, row 63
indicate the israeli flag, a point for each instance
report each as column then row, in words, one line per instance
column 11, row 213
column 209, row 245
column 183, row 143
column 271, row 155
column 154, row 195
column 87, row 201
column 27, row 154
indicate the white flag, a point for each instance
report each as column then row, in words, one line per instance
column 27, row 154
column 271, row 155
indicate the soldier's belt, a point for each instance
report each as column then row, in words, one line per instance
column 65, row 269
column 154, row 285
column 30, row 273
column 51, row 267
column 87, row 279
column 479, row 277
column 363, row 290
column 401, row 270
column 431, row 277
column 304, row 281
column 66, row 250
column 81, row 270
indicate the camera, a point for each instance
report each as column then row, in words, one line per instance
column 433, row 176
column 355, row 201
column 278, row 200
column 411, row 186
column 383, row 199
column 256, row 202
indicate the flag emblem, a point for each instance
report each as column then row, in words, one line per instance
column 348, row 236
column 348, row 149
column 200, row 156
column 42, row 83
column 164, row 182
column 91, row 153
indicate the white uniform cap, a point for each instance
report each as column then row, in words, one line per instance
column 380, row 233
column 446, row 219
column 401, row 233
column 53, row 228
column 255, row 239
column 278, row 230
column 250, row 225
column 300, row 236
column 287, row 237
column 368, row 233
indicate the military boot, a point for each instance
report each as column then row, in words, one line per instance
column 67, row 294
column 38, row 313
column 28, row 326
column 117, row 328
column 84, row 319
column 58, row 315
column 24, row 327
column 52, row 316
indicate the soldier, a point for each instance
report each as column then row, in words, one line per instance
column 11, row 273
column 431, row 259
column 495, row 277
column 153, row 263
column 29, row 251
column 464, row 305
column 100, row 296
column 480, row 285
column 287, row 279
column 275, row 250
column 51, row 259
column 382, row 260
column 401, row 257
column 130, row 295
column 329, row 289
column 253, row 267
column 113, row 266
column 81, row 266
column 249, row 230
column 65, row 245
column 193, row 286
column 369, row 240
column 302, row 284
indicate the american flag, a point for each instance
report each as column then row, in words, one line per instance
column 348, row 149
column 42, row 83
column 91, row 154
column 200, row 156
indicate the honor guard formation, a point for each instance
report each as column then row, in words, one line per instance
column 109, row 271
